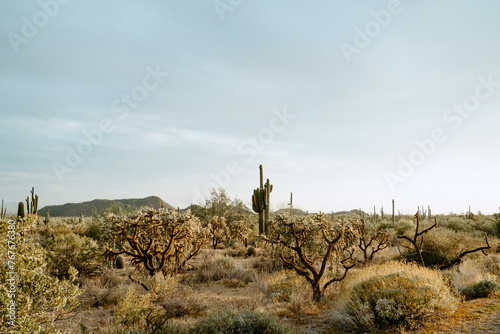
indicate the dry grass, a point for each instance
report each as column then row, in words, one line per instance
column 214, row 267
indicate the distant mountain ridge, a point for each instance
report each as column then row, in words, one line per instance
column 99, row 205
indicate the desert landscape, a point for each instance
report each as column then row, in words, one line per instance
column 224, row 268
column 249, row 167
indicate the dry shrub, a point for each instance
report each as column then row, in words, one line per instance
column 278, row 286
column 215, row 268
column 392, row 295
column 230, row 322
column 443, row 245
column 235, row 252
column 141, row 313
column 471, row 277
column 288, row 288
column 266, row 264
column 103, row 290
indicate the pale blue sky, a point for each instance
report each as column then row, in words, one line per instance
column 65, row 66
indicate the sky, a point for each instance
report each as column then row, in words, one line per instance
column 347, row 104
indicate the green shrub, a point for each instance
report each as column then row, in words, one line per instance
column 404, row 225
column 393, row 295
column 94, row 231
column 73, row 251
column 39, row 297
column 480, row 289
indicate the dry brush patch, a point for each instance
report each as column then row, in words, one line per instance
column 392, row 295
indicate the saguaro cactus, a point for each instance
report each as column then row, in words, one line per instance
column 47, row 217
column 393, row 218
column 20, row 210
column 3, row 212
column 260, row 201
column 32, row 205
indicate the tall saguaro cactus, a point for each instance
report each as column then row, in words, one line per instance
column 3, row 212
column 393, row 218
column 260, row 201
column 32, row 206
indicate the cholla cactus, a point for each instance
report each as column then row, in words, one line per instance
column 219, row 231
column 159, row 240
column 313, row 245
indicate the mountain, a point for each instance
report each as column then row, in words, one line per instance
column 99, row 205
column 296, row 212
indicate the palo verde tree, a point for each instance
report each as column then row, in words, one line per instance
column 235, row 214
column 160, row 240
column 220, row 204
column 312, row 246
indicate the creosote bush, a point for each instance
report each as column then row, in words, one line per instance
column 40, row 298
column 231, row 322
column 480, row 289
column 73, row 251
column 392, row 295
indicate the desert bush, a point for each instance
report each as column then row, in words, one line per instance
column 39, row 297
column 94, row 230
column 392, row 295
column 140, row 313
column 442, row 246
column 73, row 251
column 403, row 226
column 245, row 322
column 101, row 292
column 472, row 271
column 278, row 286
column 480, row 289
column 266, row 263
column 215, row 268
